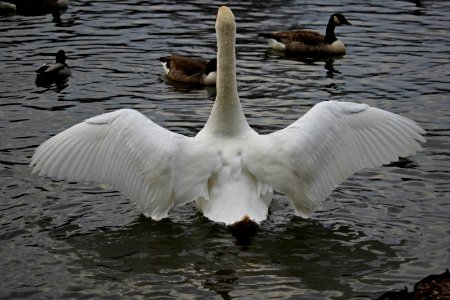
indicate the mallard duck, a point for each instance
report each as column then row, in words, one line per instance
column 189, row 69
column 228, row 169
column 37, row 7
column 308, row 42
column 57, row 71
column 7, row 7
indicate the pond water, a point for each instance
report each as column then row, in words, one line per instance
column 382, row 229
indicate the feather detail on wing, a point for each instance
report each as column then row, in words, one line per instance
column 328, row 144
column 127, row 150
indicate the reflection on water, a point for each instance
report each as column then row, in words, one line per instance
column 328, row 62
column 380, row 230
column 219, row 263
column 181, row 87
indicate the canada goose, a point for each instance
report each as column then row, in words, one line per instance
column 228, row 169
column 57, row 71
column 308, row 42
column 189, row 69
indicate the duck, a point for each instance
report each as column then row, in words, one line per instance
column 58, row 71
column 7, row 7
column 308, row 42
column 190, row 69
column 228, row 169
column 37, row 7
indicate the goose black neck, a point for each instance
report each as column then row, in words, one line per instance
column 330, row 37
column 211, row 66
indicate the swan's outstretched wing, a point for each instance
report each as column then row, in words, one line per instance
column 154, row 167
column 309, row 158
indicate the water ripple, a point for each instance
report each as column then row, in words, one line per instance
column 380, row 230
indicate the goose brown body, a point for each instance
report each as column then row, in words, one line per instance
column 309, row 42
column 189, row 69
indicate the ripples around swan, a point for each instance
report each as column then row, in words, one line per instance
column 382, row 229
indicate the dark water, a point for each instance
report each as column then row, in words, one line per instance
column 382, row 229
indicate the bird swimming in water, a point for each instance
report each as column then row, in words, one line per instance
column 54, row 72
column 190, row 69
column 308, row 42
column 35, row 7
column 228, row 169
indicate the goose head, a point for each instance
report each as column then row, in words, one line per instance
column 335, row 20
column 339, row 19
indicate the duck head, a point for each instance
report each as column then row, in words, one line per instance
column 61, row 57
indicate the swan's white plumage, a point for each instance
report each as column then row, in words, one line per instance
column 332, row 141
column 156, row 168
column 227, row 168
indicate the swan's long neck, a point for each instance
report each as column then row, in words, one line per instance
column 227, row 117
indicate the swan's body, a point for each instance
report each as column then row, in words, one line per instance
column 308, row 42
column 58, row 71
column 228, row 168
column 190, row 69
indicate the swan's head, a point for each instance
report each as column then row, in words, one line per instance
column 339, row 19
column 226, row 57
column 225, row 21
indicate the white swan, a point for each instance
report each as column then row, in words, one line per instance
column 228, row 168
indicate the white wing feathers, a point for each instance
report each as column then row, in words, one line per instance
column 328, row 144
column 127, row 150
column 158, row 169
